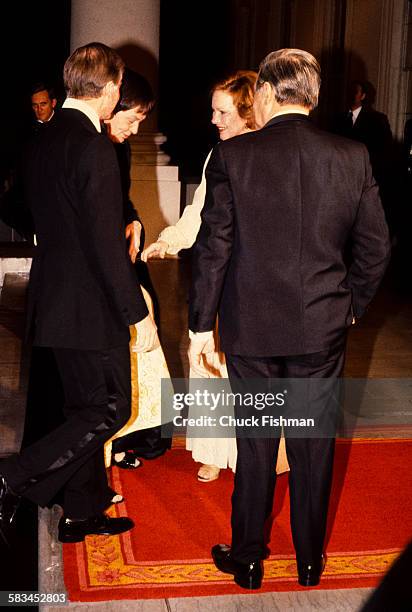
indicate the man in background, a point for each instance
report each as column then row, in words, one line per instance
column 13, row 206
column 43, row 102
column 361, row 122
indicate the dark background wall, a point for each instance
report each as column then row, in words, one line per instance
column 194, row 54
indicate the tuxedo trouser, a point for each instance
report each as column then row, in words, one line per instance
column 310, row 461
column 45, row 396
column 97, row 391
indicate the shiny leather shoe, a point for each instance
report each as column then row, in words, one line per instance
column 309, row 574
column 9, row 502
column 129, row 462
column 246, row 575
column 72, row 530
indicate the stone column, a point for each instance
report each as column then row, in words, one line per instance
column 132, row 28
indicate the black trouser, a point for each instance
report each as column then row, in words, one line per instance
column 310, row 461
column 45, row 396
column 97, row 394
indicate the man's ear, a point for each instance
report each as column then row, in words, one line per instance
column 267, row 92
column 54, row 102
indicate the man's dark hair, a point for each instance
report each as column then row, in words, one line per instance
column 135, row 92
column 42, row 86
column 365, row 87
column 90, row 68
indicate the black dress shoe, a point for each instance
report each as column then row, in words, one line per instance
column 309, row 573
column 129, row 462
column 9, row 502
column 71, row 530
column 246, row 575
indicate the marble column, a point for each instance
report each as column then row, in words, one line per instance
column 132, row 28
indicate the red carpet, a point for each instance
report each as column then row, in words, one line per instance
column 178, row 519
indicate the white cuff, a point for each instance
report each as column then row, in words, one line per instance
column 204, row 336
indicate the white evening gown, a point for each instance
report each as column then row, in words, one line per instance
column 147, row 371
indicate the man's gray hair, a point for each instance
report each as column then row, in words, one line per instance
column 294, row 75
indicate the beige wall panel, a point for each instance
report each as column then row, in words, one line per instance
column 303, row 26
column 363, row 34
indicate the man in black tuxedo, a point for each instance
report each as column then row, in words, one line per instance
column 13, row 207
column 282, row 206
column 43, row 102
column 83, row 295
column 364, row 124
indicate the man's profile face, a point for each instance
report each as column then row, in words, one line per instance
column 42, row 105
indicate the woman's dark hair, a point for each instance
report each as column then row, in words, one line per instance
column 135, row 92
column 42, row 86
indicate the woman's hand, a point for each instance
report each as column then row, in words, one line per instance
column 156, row 249
column 147, row 338
column 133, row 232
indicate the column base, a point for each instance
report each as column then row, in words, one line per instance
column 146, row 150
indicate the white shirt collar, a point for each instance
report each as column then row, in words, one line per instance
column 355, row 114
column 86, row 109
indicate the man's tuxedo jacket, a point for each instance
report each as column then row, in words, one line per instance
column 283, row 204
column 83, row 292
column 373, row 130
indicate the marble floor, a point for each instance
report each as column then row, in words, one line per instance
column 379, row 347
